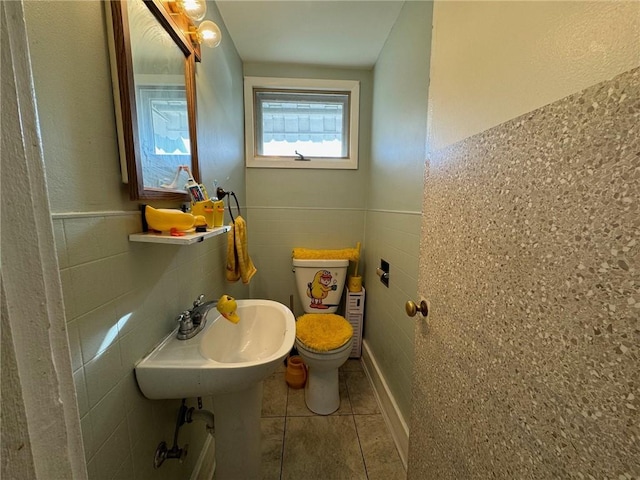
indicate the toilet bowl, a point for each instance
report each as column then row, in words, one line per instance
column 323, row 339
column 322, row 390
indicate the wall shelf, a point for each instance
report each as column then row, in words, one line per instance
column 187, row 239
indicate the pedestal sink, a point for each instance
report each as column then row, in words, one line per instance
column 227, row 361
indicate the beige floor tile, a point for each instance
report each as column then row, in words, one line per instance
column 381, row 458
column 282, row 367
column 295, row 404
column 272, row 441
column 274, row 396
column 352, row 365
column 363, row 400
column 322, row 448
column 352, row 443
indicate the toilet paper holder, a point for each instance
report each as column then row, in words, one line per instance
column 383, row 272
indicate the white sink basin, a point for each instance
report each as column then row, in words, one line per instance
column 224, row 357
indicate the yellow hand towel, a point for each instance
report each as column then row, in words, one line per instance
column 232, row 272
column 239, row 264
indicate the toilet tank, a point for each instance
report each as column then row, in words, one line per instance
column 320, row 283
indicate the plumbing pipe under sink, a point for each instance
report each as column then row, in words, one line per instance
column 205, row 415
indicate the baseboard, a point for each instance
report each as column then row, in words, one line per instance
column 390, row 411
column 206, row 464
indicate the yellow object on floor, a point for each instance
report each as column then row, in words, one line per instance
column 341, row 254
column 323, row 331
column 239, row 264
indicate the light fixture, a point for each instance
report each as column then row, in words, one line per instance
column 207, row 34
column 194, row 9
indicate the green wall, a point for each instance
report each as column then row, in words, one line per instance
column 121, row 298
column 311, row 208
column 401, row 78
column 378, row 204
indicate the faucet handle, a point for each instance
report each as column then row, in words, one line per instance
column 186, row 325
column 198, row 301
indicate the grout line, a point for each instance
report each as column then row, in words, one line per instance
column 103, row 213
column 283, row 207
column 353, row 419
column 284, row 432
column 364, row 462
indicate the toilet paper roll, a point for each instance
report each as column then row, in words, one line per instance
column 382, row 274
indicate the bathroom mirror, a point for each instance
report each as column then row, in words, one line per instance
column 153, row 70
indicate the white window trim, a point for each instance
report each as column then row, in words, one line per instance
column 255, row 161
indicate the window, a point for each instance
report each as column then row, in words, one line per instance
column 301, row 123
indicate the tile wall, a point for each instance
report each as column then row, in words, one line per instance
column 121, row 299
column 275, row 232
column 394, row 237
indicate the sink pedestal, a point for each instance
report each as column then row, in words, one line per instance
column 237, row 433
column 227, row 362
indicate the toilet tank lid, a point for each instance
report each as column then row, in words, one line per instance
column 319, row 254
column 297, row 262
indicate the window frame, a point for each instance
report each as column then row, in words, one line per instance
column 350, row 87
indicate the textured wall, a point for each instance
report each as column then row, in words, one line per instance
column 529, row 364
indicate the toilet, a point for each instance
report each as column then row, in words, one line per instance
column 323, row 339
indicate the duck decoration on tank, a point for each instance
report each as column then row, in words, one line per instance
column 318, row 289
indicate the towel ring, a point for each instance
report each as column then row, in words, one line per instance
column 220, row 193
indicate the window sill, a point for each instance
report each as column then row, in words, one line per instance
column 318, row 163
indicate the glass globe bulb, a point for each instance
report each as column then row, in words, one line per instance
column 194, row 9
column 209, row 34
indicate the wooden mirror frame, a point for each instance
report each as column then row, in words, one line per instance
column 125, row 94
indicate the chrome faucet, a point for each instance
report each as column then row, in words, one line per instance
column 193, row 321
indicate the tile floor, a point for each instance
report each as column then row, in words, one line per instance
column 352, row 443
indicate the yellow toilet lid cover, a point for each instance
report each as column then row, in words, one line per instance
column 323, row 331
